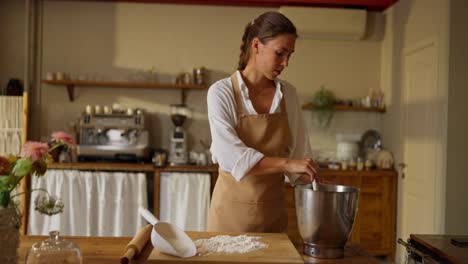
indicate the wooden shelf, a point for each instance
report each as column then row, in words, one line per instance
column 130, row 167
column 70, row 85
column 310, row 106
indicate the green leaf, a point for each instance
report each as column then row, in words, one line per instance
column 4, row 179
column 8, row 181
column 4, row 199
column 22, row 167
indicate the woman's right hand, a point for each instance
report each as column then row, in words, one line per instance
column 306, row 168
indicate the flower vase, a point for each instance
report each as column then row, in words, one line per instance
column 9, row 235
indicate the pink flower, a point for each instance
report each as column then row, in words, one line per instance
column 63, row 137
column 35, row 150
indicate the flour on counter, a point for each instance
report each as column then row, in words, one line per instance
column 229, row 244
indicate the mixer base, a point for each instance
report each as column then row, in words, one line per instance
column 323, row 252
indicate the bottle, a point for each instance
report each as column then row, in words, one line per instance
column 368, row 164
column 352, row 165
column 360, row 164
column 380, row 99
column 344, row 165
column 373, row 98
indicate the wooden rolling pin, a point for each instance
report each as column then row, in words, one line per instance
column 137, row 244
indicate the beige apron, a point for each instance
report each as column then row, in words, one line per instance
column 255, row 203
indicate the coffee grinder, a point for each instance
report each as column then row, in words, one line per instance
column 178, row 149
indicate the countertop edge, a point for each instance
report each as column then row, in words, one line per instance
column 147, row 167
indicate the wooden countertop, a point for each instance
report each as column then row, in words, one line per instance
column 103, row 250
column 442, row 246
column 280, row 250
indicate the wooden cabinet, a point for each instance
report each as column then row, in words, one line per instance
column 374, row 228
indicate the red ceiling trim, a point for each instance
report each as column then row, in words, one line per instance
column 371, row 5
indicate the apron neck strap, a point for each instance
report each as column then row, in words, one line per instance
column 237, row 95
column 283, row 102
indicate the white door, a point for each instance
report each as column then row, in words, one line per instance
column 422, row 142
column 421, row 135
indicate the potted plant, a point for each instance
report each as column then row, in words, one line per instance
column 323, row 102
column 33, row 161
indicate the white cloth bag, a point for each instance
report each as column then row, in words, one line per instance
column 96, row 203
column 185, row 199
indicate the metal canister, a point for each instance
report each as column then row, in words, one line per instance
column 199, row 75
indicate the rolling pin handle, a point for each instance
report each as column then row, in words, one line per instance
column 129, row 254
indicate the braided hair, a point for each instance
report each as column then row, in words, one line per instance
column 265, row 27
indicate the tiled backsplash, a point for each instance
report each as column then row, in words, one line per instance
column 323, row 140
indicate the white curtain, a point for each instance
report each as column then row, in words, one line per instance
column 11, row 124
column 96, row 203
column 185, row 199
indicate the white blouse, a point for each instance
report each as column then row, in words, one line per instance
column 227, row 149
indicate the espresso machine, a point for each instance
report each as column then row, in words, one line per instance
column 116, row 136
column 178, row 147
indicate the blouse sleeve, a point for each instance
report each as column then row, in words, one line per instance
column 300, row 146
column 227, row 149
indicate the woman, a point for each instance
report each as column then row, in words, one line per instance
column 258, row 134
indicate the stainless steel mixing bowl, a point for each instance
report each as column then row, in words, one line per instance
column 325, row 217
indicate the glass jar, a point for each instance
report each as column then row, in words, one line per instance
column 54, row 250
column 199, row 75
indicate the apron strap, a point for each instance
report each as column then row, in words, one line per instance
column 237, row 95
column 283, row 101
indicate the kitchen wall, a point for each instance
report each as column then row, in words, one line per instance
column 457, row 211
column 122, row 41
column 12, row 41
column 409, row 22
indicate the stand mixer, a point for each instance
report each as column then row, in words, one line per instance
column 178, row 148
